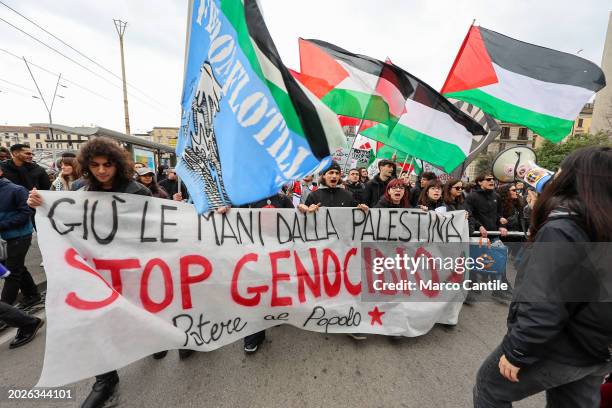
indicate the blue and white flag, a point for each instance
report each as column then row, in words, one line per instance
column 247, row 125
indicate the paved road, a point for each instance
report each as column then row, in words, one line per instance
column 295, row 368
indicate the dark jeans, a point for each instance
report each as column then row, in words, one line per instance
column 15, row 317
column 255, row 338
column 20, row 277
column 565, row 385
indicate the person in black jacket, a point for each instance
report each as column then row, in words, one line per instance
column 375, row 188
column 484, row 205
column 415, row 193
column 355, row 186
column 553, row 344
column 330, row 193
column 512, row 207
column 454, row 200
column 395, row 195
column 107, row 168
column 16, row 230
column 22, row 170
column 431, row 196
column 170, row 184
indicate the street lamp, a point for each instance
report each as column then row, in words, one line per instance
column 49, row 109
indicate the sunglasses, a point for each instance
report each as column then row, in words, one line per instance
column 458, row 188
column 489, row 179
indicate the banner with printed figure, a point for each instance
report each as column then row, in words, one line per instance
column 247, row 125
column 129, row 276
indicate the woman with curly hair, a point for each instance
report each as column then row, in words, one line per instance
column 512, row 208
column 108, row 167
column 70, row 172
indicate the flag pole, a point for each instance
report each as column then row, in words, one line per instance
column 352, row 146
column 404, row 163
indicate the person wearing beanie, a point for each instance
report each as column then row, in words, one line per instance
column 329, row 193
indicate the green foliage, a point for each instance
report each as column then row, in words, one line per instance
column 550, row 155
column 483, row 163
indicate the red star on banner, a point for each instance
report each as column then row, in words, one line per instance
column 376, row 316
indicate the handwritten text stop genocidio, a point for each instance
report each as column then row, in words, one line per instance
column 160, row 223
column 136, row 265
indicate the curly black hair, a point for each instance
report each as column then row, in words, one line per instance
column 106, row 147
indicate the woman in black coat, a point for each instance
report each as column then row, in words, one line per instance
column 395, row 195
column 560, row 331
column 431, row 196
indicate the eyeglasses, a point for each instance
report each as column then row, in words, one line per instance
column 489, row 179
column 458, row 188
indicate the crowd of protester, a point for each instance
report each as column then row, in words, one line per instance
column 102, row 165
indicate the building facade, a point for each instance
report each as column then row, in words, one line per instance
column 583, row 122
column 602, row 115
column 164, row 135
column 39, row 138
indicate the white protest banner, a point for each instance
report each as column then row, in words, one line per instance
column 129, row 276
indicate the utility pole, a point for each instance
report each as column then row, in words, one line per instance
column 47, row 107
column 120, row 27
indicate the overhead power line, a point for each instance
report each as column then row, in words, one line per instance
column 80, row 65
column 56, row 74
column 77, row 51
column 16, row 85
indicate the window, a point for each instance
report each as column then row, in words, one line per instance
column 16, row 134
column 37, row 136
column 523, row 134
column 580, row 122
column 505, row 133
column 69, row 137
column 39, row 145
column 49, row 145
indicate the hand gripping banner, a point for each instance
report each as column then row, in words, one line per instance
column 129, row 276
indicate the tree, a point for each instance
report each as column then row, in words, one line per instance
column 483, row 163
column 550, row 155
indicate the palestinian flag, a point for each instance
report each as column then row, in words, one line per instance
column 429, row 126
column 400, row 110
column 344, row 81
column 522, row 83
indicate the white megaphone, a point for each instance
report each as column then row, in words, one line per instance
column 518, row 164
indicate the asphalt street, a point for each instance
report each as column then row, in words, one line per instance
column 295, row 368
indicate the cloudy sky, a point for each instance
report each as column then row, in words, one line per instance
column 421, row 36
